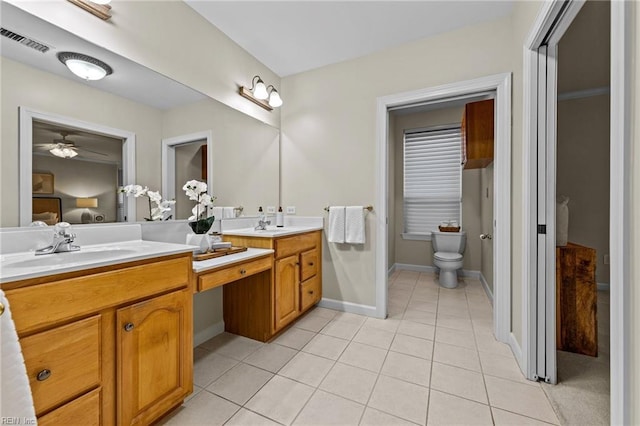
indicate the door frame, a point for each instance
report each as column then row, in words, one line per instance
column 553, row 17
column 168, row 162
column 501, row 84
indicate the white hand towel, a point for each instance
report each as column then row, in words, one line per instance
column 336, row 224
column 15, row 393
column 217, row 212
column 228, row 212
column 354, row 225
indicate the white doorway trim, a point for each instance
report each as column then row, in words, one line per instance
column 27, row 116
column 169, row 146
column 622, row 33
column 501, row 83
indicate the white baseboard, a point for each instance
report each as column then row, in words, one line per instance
column 417, row 268
column 487, row 290
column 208, row 333
column 391, row 270
column 353, row 308
column 603, row 286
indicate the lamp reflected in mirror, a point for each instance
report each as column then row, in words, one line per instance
column 86, row 203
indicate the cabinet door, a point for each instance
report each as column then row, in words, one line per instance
column 286, row 291
column 155, row 358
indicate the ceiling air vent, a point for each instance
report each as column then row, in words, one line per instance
column 24, row 40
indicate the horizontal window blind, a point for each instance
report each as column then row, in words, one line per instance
column 432, row 178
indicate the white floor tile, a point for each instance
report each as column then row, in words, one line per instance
column 458, row 381
column 373, row 417
column 414, row 346
column 401, row 399
column 416, row 329
column 208, row 366
column 456, row 356
column 341, row 329
column 374, row 337
column 407, row 368
column 445, row 409
column 326, row 409
column 271, row 357
column 232, row 346
column 349, row 382
column 465, row 339
column 295, row 338
column 505, row 418
column 363, row 356
column 281, row 399
column 502, row 366
column 204, row 408
column 307, row 368
column 520, row 398
column 245, row 417
column 326, row 346
column 312, row 323
column 240, row 383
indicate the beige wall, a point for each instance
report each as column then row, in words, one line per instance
column 420, row 253
column 173, row 40
column 583, row 173
column 28, row 87
column 328, row 136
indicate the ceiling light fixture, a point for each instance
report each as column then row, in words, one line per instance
column 84, row 66
column 63, row 152
column 267, row 97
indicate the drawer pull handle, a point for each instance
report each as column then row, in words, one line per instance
column 1, row 308
column 43, row 375
column 128, row 326
column 243, row 271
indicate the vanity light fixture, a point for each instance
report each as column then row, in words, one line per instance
column 63, row 152
column 99, row 8
column 267, row 97
column 85, row 66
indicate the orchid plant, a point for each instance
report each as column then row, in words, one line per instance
column 201, row 220
column 161, row 206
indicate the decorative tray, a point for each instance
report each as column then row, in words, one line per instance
column 449, row 228
column 218, row 253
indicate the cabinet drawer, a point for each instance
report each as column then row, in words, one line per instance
column 310, row 292
column 233, row 273
column 43, row 305
column 63, row 362
column 308, row 264
column 84, row 410
column 291, row 245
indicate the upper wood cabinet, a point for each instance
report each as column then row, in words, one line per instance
column 477, row 134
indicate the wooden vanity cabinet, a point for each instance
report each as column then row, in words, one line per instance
column 477, row 131
column 297, row 274
column 110, row 345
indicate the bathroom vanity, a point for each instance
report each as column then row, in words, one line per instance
column 94, row 340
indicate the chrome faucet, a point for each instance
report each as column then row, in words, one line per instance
column 62, row 239
column 262, row 224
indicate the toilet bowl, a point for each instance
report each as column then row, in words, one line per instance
column 447, row 255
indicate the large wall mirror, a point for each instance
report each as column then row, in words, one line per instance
column 117, row 127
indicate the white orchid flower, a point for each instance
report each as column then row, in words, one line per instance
column 154, row 196
column 135, row 190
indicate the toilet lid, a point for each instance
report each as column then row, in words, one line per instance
column 440, row 255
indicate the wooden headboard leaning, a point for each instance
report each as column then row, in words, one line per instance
column 46, row 209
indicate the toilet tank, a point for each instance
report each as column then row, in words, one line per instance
column 448, row 242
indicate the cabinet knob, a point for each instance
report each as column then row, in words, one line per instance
column 128, row 326
column 43, row 375
column 310, row 263
column 243, row 271
column 1, row 308
column 310, row 291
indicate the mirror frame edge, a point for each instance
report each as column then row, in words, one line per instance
column 25, row 165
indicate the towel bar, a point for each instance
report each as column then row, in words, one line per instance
column 370, row 208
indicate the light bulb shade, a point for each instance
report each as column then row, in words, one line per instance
column 84, row 66
column 87, row 203
column 274, row 98
column 260, row 90
column 63, row 152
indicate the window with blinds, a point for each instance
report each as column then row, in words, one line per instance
column 432, row 178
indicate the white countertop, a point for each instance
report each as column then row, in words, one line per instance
column 271, row 231
column 24, row 265
column 216, row 262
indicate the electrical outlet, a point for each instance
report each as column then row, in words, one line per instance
column 606, row 259
column 291, row 210
column 271, row 209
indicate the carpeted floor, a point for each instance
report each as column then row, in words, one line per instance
column 581, row 396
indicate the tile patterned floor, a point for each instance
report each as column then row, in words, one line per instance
column 433, row 361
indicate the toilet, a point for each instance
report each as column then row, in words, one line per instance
column 447, row 255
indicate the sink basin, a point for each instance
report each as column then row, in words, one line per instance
column 95, row 254
column 271, row 231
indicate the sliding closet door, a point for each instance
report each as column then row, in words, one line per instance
column 546, row 179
